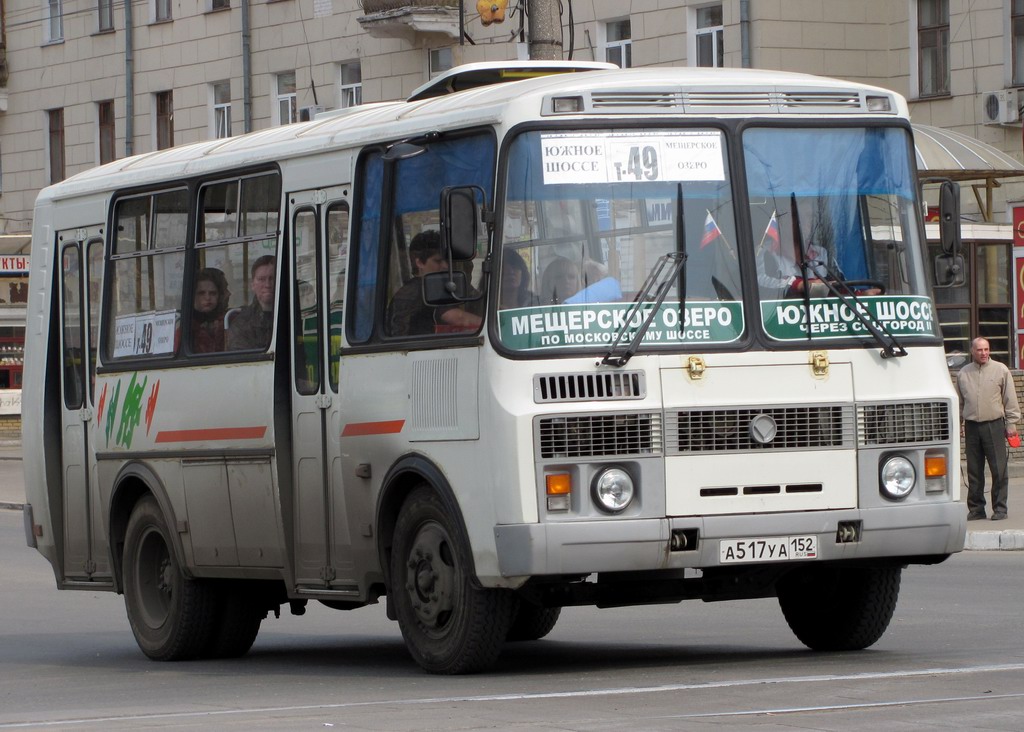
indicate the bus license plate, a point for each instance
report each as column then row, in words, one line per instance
column 773, row 549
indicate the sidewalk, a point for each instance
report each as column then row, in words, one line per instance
column 981, row 535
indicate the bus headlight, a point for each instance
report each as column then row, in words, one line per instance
column 897, row 478
column 613, row 490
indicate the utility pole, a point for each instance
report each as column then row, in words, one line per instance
column 545, row 30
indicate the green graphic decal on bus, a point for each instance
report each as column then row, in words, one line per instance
column 786, row 320
column 586, row 326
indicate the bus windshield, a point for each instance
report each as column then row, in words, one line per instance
column 588, row 215
column 832, row 213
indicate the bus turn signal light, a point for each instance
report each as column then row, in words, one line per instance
column 935, row 466
column 559, row 490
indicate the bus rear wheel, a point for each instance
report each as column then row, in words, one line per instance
column 172, row 617
column 450, row 625
column 839, row 609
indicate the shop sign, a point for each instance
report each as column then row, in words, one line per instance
column 14, row 264
column 10, row 401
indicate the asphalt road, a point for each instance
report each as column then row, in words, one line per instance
column 953, row 658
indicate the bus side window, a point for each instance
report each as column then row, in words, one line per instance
column 337, row 258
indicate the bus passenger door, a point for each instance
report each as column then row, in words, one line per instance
column 319, row 230
column 85, row 548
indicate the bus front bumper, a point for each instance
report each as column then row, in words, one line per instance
column 582, row 547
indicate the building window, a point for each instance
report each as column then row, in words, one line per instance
column 104, row 15
column 221, row 93
column 220, row 4
column 1017, row 40
column 287, row 109
column 55, row 143
column 350, row 85
column 440, row 60
column 618, row 48
column 106, row 132
column 164, row 119
column 983, row 305
column 933, row 47
column 709, row 37
column 161, row 10
column 54, row 21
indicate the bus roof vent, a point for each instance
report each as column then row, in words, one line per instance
column 606, row 386
column 617, row 100
column 714, row 101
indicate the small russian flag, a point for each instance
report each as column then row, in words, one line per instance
column 711, row 231
column 771, row 234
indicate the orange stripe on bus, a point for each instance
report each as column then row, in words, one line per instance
column 359, row 429
column 212, row 435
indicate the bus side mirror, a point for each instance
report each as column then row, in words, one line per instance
column 949, row 218
column 460, row 217
column 949, row 270
column 446, row 288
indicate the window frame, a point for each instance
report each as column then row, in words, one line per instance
column 53, row 25
column 623, row 46
column 55, row 148
column 289, row 98
column 1015, row 29
column 104, row 16
column 106, row 132
column 715, row 32
column 220, row 112
column 350, row 93
column 937, row 37
column 163, row 119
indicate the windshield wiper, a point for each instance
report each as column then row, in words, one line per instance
column 891, row 348
column 676, row 263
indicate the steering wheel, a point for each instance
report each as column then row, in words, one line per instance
column 865, row 285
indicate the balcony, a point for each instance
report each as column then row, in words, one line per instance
column 407, row 19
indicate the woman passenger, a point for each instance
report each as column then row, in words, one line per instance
column 515, row 282
column 209, row 306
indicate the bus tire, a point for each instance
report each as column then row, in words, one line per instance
column 533, row 622
column 450, row 625
column 238, row 621
column 840, row 609
column 172, row 617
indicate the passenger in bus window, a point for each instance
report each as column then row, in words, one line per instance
column 515, row 282
column 561, row 280
column 253, row 326
column 208, row 308
column 407, row 313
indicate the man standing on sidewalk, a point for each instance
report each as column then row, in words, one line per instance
column 989, row 410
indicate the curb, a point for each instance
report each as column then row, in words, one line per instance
column 994, row 541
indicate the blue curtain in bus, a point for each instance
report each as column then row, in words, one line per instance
column 458, row 162
column 369, row 238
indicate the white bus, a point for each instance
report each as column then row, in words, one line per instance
column 600, row 338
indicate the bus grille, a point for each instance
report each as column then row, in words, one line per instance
column 589, row 387
column 729, row 430
column 599, row 435
column 902, row 423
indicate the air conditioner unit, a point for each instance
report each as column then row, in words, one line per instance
column 1000, row 107
column 308, row 113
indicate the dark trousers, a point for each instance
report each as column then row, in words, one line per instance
column 986, row 442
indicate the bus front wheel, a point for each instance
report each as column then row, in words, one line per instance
column 450, row 625
column 839, row 608
column 172, row 617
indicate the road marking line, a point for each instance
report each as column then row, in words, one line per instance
column 531, row 696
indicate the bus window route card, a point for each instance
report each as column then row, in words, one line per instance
column 771, row 549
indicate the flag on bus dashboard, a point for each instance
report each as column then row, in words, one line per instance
column 711, row 231
column 771, row 234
